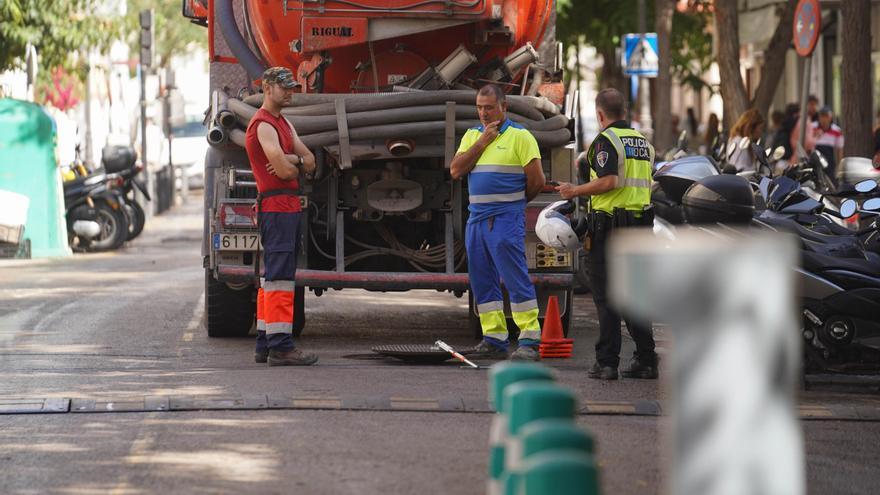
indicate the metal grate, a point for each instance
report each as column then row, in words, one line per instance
column 415, row 353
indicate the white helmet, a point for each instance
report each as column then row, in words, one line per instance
column 554, row 229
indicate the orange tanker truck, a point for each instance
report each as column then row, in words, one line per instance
column 387, row 90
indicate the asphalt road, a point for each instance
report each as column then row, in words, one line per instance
column 116, row 334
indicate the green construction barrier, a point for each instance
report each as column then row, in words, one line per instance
column 557, row 472
column 27, row 166
column 529, row 401
column 546, row 435
column 501, row 375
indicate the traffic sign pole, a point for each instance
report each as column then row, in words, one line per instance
column 807, row 26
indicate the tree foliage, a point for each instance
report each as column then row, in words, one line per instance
column 603, row 23
column 61, row 31
column 175, row 35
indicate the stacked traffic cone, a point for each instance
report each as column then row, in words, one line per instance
column 553, row 342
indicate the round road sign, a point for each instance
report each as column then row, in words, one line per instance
column 807, row 25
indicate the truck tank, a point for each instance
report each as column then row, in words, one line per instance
column 402, row 38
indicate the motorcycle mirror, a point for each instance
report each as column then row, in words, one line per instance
column 872, row 204
column 743, row 143
column 866, row 186
column 848, row 208
column 778, row 153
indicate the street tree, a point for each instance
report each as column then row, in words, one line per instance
column 664, row 10
column 733, row 90
column 61, row 31
column 175, row 35
column 856, row 89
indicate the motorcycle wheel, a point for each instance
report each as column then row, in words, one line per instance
column 114, row 228
column 138, row 219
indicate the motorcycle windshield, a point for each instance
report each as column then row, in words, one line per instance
column 781, row 189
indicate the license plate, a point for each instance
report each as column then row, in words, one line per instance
column 236, row 242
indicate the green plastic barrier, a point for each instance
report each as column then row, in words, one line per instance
column 27, row 166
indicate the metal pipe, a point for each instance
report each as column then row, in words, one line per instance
column 217, row 136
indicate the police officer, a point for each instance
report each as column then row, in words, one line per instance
column 619, row 164
column 277, row 157
column 503, row 166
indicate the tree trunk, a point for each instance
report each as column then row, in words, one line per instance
column 856, row 69
column 733, row 91
column 774, row 59
column 612, row 74
column 663, row 137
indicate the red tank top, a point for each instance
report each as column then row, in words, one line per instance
column 265, row 180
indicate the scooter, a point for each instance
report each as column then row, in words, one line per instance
column 122, row 160
column 94, row 209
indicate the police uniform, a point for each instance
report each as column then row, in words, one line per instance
column 495, row 234
column 624, row 152
column 279, row 214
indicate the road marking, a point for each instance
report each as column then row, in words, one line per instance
column 142, row 442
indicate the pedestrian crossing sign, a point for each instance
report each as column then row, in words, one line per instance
column 640, row 55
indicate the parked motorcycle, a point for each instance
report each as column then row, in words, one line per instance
column 121, row 160
column 838, row 282
column 95, row 213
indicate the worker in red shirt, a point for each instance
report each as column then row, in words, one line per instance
column 278, row 158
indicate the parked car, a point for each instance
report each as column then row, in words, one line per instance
column 188, row 148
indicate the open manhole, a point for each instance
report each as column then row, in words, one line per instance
column 414, row 353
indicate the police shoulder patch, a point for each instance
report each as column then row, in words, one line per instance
column 602, row 158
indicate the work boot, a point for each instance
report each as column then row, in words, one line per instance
column 486, row 350
column 261, row 356
column 636, row 369
column 600, row 372
column 526, row 353
column 293, row 357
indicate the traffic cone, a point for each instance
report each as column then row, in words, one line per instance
column 553, row 341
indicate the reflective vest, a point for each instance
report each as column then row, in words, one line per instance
column 635, row 159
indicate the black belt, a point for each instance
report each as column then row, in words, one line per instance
column 260, row 197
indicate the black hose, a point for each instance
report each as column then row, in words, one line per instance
column 323, row 104
column 305, row 125
column 237, row 43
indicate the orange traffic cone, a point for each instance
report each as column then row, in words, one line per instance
column 553, row 342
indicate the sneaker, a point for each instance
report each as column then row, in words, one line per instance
column 293, row 357
column 526, row 353
column 638, row 370
column 600, row 372
column 261, row 357
column 485, row 350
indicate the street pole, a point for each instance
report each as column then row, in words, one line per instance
column 148, row 182
column 647, row 126
column 805, row 91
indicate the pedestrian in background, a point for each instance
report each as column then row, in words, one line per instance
column 278, row 158
column 749, row 125
column 503, row 166
column 826, row 137
column 621, row 163
column 711, row 133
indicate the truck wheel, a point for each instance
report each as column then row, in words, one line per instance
column 228, row 312
column 299, row 310
column 473, row 319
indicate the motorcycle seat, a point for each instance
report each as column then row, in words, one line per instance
column 868, row 264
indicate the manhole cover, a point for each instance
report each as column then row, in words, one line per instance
column 414, row 353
